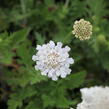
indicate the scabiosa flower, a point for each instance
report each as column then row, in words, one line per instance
column 82, row 29
column 53, row 60
column 94, row 98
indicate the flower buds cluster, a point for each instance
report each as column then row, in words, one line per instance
column 82, row 29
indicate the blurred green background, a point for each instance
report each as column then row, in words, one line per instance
column 26, row 23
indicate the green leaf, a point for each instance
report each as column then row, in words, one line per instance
column 19, row 36
column 8, row 43
column 13, row 104
column 6, row 57
column 73, row 80
column 48, row 100
column 57, row 95
column 20, row 95
column 32, row 105
column 41, row 39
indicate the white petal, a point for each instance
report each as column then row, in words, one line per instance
column 44, row 46
column 38, row 47
column 67, row 65
column 70, row 60
column 58, row 73
column 69, row 71
column 34, row 57
column 63, row 75
column 54, row 78
column 36, row 67
column 67, row 48
column 45, row 72
column 50, row 73
column 52, row 44
column 59, row 44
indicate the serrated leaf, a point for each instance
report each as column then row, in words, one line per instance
column 19, row 36
column 7, row 44
column 16, row 98
column 73, row 80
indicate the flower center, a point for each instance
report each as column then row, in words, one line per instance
column 53, row 61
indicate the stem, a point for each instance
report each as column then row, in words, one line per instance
column 66, row 3
column 23, row 7
column 69, row 35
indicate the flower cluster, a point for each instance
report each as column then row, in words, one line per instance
column 82, row 29
column 94, row 98
column 53, row 60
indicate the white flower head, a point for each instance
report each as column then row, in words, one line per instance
column 53, row 60
column 94, row 98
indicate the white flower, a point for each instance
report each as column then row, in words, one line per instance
column 53, row 60
column 94, row 98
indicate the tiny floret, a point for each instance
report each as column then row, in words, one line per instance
column 53, row 60
column 82, row 29
column 94, row 98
